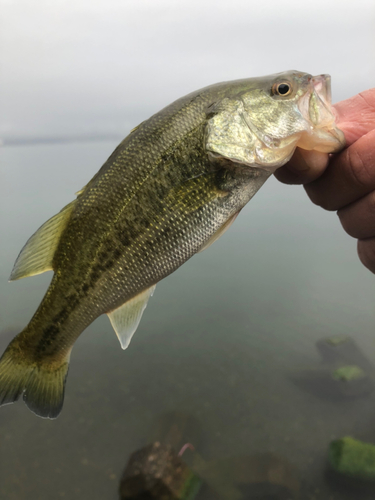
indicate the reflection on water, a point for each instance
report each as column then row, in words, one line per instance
column 223, row 340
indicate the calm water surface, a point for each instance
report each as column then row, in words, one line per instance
column 224, row 339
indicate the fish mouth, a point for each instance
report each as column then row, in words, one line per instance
column 316, row 107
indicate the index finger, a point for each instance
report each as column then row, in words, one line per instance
column 356, row 116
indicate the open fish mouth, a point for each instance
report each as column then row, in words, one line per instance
column 316, row 107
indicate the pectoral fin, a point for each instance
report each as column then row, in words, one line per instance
column 125, row 319
column 219, row 232
column 37, row 255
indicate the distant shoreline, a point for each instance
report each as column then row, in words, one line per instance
column 23, row 141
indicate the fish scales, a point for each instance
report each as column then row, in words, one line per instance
column 144, row 245
column 173, row 185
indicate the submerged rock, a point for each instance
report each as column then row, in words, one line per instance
column 157, row 472
column 342, row 350
column 335, row 384
column 352, row 381
column 346, row 372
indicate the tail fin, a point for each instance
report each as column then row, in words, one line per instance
column 41, row 382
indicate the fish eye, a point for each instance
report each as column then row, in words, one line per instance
column 283, row 88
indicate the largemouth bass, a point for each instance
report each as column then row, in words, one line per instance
column 170, row 189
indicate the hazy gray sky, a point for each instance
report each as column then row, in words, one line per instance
column 80, row 67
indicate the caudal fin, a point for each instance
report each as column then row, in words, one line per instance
column 41, row 382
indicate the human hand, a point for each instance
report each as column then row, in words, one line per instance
column 346, row 181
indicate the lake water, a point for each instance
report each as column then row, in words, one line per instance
column 226, row 339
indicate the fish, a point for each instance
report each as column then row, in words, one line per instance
column 170, row 189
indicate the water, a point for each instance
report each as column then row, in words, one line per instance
column 223, row 339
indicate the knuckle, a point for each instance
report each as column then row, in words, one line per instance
column 371, row 202
column 366, row 253
column 346, row 222
column 355, row 218
column 328, row 205
column 368, row 98
column 318, row 197
column 359, row 171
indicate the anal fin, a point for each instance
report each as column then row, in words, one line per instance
column 125, row 319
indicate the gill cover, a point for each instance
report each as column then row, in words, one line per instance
column 233, row 133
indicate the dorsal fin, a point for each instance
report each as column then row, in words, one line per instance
column 135, row 128
column 125, row 319
column 89, row 184
column 78, row 193
column 37, row 255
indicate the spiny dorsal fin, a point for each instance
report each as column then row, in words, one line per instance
column 135, row 128
column 125, row 319
column 89, row 184
column 78, row 193
column 219, row 232
column 37, row 255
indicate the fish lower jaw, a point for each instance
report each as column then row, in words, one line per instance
column 324, row 140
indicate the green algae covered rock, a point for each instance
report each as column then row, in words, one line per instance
column 337, row 340
column 348, row 373
column 353, row 458
column 351, row 381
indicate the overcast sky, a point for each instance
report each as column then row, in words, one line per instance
column 84, row 67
